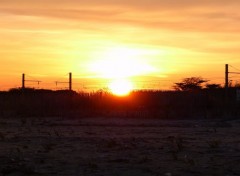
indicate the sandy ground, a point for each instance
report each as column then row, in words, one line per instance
column 119, row 147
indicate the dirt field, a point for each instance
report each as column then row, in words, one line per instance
column 119, row 147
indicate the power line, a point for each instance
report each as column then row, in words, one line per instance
column 66, row 82
column 227, row 74
column 24, row 80
column 234, row 67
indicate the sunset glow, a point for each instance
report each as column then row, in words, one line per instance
column 121, row 87
column 157, row 42
column 120, row 63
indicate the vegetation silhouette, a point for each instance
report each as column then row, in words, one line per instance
column 208, row 102
column 189, row 84
column 213, row 86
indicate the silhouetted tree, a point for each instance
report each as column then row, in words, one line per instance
column 188, row 84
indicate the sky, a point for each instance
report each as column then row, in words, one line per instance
column 155, row 43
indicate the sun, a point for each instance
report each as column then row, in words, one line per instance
column 120, row 66
column 121, row 87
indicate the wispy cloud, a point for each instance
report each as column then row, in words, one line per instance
column 199, row 31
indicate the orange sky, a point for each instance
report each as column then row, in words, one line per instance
column 159, row 41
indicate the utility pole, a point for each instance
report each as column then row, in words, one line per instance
column 226, row 76
column 70, row 81
column 226, row 84
column 23, row 81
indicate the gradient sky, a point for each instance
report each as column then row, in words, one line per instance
column 174, row 39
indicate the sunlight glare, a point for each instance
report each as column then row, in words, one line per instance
column 121, row 87
column 121, row 62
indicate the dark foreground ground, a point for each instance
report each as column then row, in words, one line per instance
column 119, row 147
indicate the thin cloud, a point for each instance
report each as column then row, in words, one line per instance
column 176, row 15
column 67, row 28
